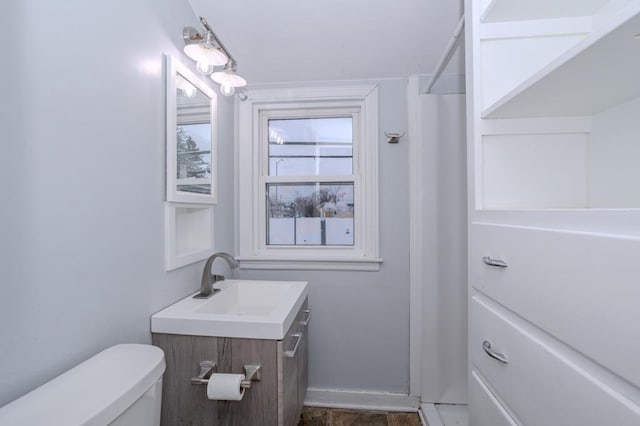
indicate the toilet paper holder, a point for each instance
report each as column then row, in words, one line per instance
column 252, row 373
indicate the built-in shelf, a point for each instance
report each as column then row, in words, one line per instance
column 188, row 234
column 516, row 10
column 601, row 71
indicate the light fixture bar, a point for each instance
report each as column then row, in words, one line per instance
column 206, row 26
column 208, row 51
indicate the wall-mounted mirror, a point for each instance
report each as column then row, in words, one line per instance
column 191, row 137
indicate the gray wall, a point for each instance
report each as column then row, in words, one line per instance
column 359, row 334
column 81, row 223
column 81, row 169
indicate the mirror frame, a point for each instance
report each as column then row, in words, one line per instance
column 174, row 68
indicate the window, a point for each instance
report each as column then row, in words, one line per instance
column 308, row 179
column 299, row 212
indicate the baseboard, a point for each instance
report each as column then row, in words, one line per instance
column 444, row 414
column 423, row 419
column 361, row 400
column 431, row 416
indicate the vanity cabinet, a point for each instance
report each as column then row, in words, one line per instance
column 553, row 100
column 276, row 399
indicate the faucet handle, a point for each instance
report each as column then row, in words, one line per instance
column 216, row 277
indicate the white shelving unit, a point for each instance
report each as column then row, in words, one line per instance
column 553, row 92
column 598, row 73
column 555, row 98
column 520, row 10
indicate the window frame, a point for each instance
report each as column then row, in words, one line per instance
column 253, row 174
column 265, row 178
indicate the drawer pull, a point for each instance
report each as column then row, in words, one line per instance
column 292, row 352
column 305, row 322
column 486, row 345
column 487, row 260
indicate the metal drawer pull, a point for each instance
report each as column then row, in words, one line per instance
column 486, row 345
column 487, row 260
column 292, row 353
column 305, row 322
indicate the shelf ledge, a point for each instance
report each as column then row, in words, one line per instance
column 559, row 89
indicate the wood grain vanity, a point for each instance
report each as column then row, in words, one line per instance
column 277, row 399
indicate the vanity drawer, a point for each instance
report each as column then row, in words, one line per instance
column 581, row 288
column 542, row 382
column 485, row 410
column 292, row 358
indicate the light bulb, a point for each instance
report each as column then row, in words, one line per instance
column 204, row 67
column 227, row 89
column 189, row 91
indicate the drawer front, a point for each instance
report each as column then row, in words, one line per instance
column 543, row 383
column 485, row 410
column 584, row 289
column 292, row 378
column 303, row 320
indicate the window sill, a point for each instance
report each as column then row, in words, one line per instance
column 341, row 264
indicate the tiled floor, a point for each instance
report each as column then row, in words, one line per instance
column 313, row 416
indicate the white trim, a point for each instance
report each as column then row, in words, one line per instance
column 173, row 67
column 342, row 264
column 175, row 259
column 254, row 254
column 544, row 125
column 416, row 249
column 440, row 414
column 423, row 419
column 536, row 28
column 431, row 414
column 333, row 93
column 361, row 400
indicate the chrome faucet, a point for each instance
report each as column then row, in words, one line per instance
column 209, row 279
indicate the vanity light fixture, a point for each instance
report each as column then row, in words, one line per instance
column 204, row 52
column 208, row 52
column 228, row 79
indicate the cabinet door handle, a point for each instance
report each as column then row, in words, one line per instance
column 487, row 260
column 305, row 322
column 292, row 352
column 486, row 345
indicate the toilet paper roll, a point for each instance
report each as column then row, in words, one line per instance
column 226, row 387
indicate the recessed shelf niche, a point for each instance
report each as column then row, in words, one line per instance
column 189, row 234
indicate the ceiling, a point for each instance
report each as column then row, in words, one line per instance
column 316, row 40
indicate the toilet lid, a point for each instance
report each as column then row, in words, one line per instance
column 95, row 392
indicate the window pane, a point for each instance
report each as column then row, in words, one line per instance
column 310, row 214
column 311, row 146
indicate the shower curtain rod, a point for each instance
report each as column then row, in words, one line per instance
column 446, row 56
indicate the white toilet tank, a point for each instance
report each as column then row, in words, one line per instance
column 120, row 386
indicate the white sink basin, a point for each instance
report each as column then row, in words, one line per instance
column 244, row 308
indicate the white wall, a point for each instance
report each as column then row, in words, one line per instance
column 444, row 242
column 613, row 157
column 292, row 40
column 359, row 333
column 82, row 163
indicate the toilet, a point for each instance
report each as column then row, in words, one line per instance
column 121, row 385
